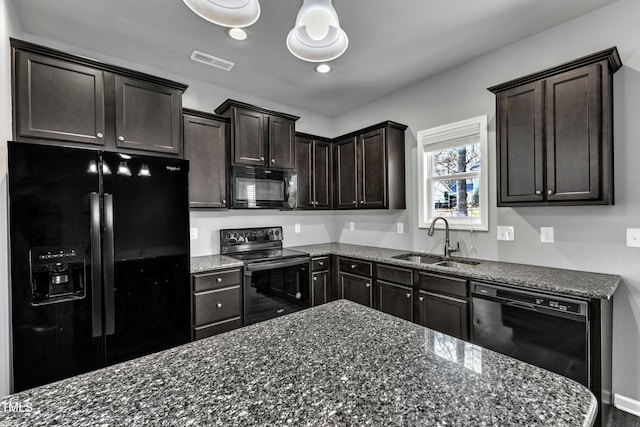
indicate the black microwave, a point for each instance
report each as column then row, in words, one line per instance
column 255, row 188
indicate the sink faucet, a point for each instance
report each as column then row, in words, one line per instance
column 447, row 248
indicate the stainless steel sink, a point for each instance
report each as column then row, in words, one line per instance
column 419, row 258
column 457, row 264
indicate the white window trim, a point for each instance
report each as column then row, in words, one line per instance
column 452, row 135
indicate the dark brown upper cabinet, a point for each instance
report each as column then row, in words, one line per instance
column 61, row 98
column 205, row 146
column 370, row 168
column 260, row 137
column 314, row 166
column 554, row 134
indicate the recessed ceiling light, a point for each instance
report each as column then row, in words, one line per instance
column 237, row 33
column 323, row 68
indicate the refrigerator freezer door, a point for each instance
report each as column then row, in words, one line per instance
column 147, row 200
column 53, row 264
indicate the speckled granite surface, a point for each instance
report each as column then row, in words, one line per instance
column 336, row 364
column 569, row 282
column 213, row 262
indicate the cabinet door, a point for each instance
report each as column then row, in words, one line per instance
column 205, row 142
column 58, row 100
column 520, row 144
column 322, row 176
column 355, row 288
column 248, row 137
column 573, row 111
column 281, row 143
column 319, row 288
column 443, row 313
column 372, row 173
column 346, row 193
column 148, row 116
column 304, row 169
column 395, row 299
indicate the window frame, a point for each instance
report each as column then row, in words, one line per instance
column 452, row 135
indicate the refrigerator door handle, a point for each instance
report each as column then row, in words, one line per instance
column 96, row 266
column 108, row 269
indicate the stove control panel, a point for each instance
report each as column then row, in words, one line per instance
column 249, row 237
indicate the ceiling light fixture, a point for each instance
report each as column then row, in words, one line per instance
column 237, row 33
column 323, row 68
column 317, row 36
column 226, row 13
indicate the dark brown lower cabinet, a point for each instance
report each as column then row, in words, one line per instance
column 356, row 288
column 395, row 299
column 443, row 313
column 217, row 302
column 319, row 287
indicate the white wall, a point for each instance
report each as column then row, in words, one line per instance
column 587, row 238
column 9, row 27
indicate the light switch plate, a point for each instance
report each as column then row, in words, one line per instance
column 193, row 233
column 400, row 229
column 352, row 226
column 506, row 233
column 633, row 237
column 546, row 234
column 297, row 228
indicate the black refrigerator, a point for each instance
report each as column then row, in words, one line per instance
column 99, row 259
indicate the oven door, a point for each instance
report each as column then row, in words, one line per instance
column 253, row 188
column 275, row 288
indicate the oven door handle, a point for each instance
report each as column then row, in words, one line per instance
column 270, row 265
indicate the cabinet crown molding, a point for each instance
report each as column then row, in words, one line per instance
column 226, row 105
column 610, row 55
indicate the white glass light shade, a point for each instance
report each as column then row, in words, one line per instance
column 317, row 36
column 226, row 13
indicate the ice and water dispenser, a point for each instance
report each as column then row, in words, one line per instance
column 57, row 274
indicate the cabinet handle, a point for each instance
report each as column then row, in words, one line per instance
column 121, row 138
column 262, row 158
column 421, row 299
column 408, row 294
column 362, row 202
column 538, row 192
column 224, row 201
column 99, row 135
column 354, row 202
column 219, row 305
column 550, row 192
column 354, row 265
column 273, row 160
column 219, row 280
column 368, row 285
column 321, row 263
column 315, row 279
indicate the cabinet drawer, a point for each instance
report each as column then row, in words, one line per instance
column 216, row 328
column 394, row 274
column 444, row 285
column 216, row 280
column 320, row 264
column 216, row 305
column 352, row 266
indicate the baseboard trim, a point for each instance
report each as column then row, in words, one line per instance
column 626, row 404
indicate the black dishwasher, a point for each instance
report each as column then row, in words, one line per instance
column 544, row 330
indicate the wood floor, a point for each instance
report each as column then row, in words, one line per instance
column 618, row 418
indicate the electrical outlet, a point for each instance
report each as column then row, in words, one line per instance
column 546, row 234
column 633, row 237
column 193, row 233
column 296, row 228
column 400, row 228
column 352, row 226
column 506, row 233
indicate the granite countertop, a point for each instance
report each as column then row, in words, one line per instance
column 336, row 364
column 201, row 264
column 568, row 282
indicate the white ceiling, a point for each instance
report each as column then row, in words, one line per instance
column 393, row 43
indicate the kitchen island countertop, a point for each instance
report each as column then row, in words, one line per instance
column 569, row 282
column 336, row 364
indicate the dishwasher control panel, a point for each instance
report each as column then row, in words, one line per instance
column 524, row 298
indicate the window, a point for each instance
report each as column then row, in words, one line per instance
column 452, row 179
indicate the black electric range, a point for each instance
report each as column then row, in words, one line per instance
column 276, row 279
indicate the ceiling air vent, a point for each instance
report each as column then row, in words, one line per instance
column 211, row 60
